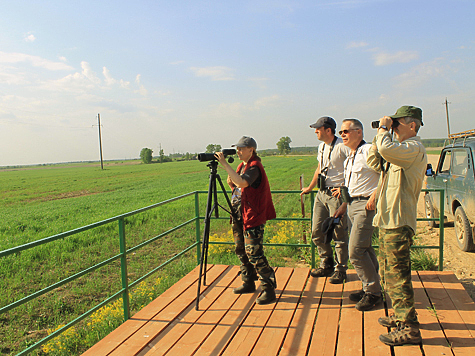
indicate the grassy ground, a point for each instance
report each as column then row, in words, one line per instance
column 42, row 202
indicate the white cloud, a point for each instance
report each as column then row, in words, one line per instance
column 237, row 109
column 267, row 101
column 384, row 58
column 215, row 73
column 124, row 84
column 142, row 91
column 356, row 45
column 108, row 78
column 29, row 37
column 33, row 60
column 422, row 73
column 88, row 73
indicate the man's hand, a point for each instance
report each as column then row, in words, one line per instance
column 306, row 190
column 340, row 211
column 336, row 192
column 220, row 157
column 385, row 121
column 371, row 204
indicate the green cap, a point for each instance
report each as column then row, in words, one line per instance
column 405, row 111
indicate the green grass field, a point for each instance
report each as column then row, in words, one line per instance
column 40, row 202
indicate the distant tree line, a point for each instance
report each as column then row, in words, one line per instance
column 283, row 148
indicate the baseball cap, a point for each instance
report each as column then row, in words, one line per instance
column 407, row 110
column 246, row 141
column 324, row 121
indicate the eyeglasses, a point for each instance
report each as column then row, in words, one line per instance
column 346, row 132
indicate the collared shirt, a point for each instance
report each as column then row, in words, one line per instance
column 335, row 172
column 360, row 179
column 399, row 191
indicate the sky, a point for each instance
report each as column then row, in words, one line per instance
column 179, row 75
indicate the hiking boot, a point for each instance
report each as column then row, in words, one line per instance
column 368, row 302
column 356, row 297
column 338, row 277
column 403, row 335
column 267, row 296
column 322, row 272
column 388, row 321
column 247, row 287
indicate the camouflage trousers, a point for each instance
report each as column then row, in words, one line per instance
column 250, row 250
column 395, row 270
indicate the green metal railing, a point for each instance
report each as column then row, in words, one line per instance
column 122, row 256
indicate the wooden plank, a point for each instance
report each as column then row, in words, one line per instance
column 319, row 320
column 433, row 338
column 273, row 335
column 131, row 326
column 324, row 337
column 218, row 339
column 246, row 337
column 457, row 334
column 372, row 329
column 136, row 342
column 195, row 331
column 301, row 328
column 350, row 333
column 460, row 298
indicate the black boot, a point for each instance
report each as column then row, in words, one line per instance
column 267, row 296
column 247, row 287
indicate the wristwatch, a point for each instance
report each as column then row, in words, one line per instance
column 384, row 127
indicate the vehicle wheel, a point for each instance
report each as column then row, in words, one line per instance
column 463, row 230
column 430, row 211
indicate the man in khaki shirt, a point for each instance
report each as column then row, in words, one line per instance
column 403, row 165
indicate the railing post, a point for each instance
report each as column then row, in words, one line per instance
column 312, row 201
column 197, row 227
column 123, row 269
column 441, row 229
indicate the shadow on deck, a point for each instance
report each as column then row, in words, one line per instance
column 310, row 317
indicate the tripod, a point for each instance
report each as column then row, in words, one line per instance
column 211, row 206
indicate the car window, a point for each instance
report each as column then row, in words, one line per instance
column 460, row 163
column 444, row 166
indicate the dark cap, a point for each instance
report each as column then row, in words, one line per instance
column 326, row 121
column 405, row 111
column 246, row 141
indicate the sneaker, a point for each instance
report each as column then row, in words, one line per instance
column 245, row 288
column 267, row 297
column 338, row 277
column 322, row 272
column 368, row 302
column 403, row 335
column 388, row 321
column 356, row 297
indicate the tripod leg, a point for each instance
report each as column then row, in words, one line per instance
column 214, row 208
column 205, row 242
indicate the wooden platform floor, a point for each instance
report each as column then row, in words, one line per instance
column 311, row 317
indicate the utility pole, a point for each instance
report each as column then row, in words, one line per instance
column 447, row 113
column 100, row 138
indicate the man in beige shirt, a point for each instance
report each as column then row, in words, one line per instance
column 403, row 165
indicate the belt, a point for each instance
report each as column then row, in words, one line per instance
column 359, row 198
column 328, row 190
